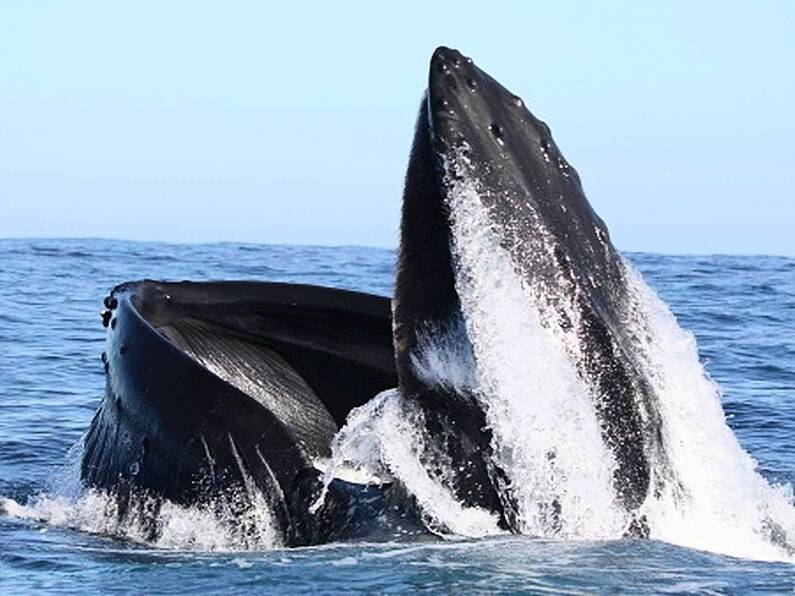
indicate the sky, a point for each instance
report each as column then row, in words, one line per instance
column 291, row 122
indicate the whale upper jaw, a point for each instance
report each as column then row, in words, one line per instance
column 471, row 128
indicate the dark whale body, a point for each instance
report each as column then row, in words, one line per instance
column 217, row 389
column 557, row 244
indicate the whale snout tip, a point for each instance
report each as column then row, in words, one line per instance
column 447, row 56
column 465, row 101
column 445, row 61
column 450, row 73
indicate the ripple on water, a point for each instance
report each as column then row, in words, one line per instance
column 741, row 309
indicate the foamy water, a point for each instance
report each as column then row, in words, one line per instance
column 216, row 526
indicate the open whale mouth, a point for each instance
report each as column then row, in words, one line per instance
column 232, row 384
column 307, row 353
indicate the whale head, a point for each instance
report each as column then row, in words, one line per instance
column 486, row 188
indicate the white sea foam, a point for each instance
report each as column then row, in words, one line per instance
column 171, row 527
column 216, row 526
column 721, row 503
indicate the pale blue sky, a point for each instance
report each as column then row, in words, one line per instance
column 291, row 122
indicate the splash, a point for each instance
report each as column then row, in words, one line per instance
column 383, row 439
column 721, row 502
column 546, row 435
column 219, row 525
column 156, row 523
column 507, row 350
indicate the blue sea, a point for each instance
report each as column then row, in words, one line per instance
column 740, row 308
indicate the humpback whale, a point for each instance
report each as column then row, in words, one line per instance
column 219, row 391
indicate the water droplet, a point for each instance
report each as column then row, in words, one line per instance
column 441, row 104
column 497, row 131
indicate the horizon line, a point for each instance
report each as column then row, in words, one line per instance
column 357, row 246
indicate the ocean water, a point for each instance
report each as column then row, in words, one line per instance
column 741, row 310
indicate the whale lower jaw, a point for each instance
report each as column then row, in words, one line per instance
column 229, row 392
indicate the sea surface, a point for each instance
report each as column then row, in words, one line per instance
column 740, row 308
